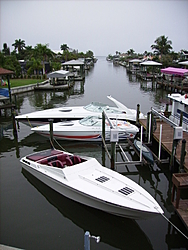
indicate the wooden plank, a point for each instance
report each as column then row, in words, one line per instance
column 167, row 139
column 182, row 211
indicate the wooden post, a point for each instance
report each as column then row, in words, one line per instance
column 113, row 153
column 10, row 97
column 137, row 114
column 174, row 145
column 51, row 132
column 147, row 125
column 14, row 124
column 183, row 153
column 181, row 119
column 103, row 126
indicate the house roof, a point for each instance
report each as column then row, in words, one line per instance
column 6, row 72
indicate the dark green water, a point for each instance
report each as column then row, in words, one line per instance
column 32, row 216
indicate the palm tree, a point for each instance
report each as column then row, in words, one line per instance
column 162, row 46
column 19, row 45
column 44, row 53
column 130, row 52
column 64, row 47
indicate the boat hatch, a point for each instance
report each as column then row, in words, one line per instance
column 126, row 191
column 65, row 110
column 102, row 179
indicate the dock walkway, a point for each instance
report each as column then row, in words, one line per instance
column 167, row 139
column 179, row 182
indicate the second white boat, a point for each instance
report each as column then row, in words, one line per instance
column 88, row 129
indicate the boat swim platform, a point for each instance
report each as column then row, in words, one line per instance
column 167, row 139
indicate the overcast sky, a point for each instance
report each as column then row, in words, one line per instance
column 103, row 27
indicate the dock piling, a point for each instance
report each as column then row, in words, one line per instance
column 51, row 132
column 183, row 153
column 137, row 114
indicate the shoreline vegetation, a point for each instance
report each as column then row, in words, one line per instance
column 22, row 82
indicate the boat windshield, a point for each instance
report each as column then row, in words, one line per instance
column 91, row 121
column 100, row 107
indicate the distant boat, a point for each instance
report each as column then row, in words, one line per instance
column 88, row 129
column 179, row 105
column 146, row 152
column 85, row 180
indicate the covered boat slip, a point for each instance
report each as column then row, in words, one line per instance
column 60, row 79
column 174, row 78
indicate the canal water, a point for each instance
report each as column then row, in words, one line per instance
column 32, row 216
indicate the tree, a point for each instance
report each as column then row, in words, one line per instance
column 19, row 45
column 130, row 52
column 6, row 49
column 162, row 46
column 44, row 53
column 64, row 47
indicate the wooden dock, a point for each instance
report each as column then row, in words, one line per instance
column 167, row 139
column 179, row 180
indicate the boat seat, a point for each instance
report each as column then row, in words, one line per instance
column 68, row 162
column 76, row 159
column 57, row 163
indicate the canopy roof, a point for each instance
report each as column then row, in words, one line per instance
column 73, row 62
column 135, row 61
column 175, row 71
column 6, row 72
column 150, row 63
column 58, row 74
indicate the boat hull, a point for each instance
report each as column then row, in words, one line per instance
column 84, row 180
column 87, row 200
column 146, row 152
column 75, row 130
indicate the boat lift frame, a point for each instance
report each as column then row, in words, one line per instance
column 116, row 143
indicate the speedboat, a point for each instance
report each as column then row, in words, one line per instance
column 78, row 112
column 179, row 105
column 84, row 180
column 88, row 129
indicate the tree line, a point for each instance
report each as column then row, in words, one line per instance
column 35, row 57
column 162, row 52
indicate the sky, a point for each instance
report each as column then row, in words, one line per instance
column 103, row 26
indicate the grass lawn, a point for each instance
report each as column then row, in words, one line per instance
column 22, row 82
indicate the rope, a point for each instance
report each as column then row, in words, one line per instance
column 59, row 145
column 173, row 225
column 29, row 122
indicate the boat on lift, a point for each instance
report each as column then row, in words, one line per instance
column 179, row 105
column 84, row 180
column 88, row 129
column 42, row 117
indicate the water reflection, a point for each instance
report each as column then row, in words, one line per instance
column 113, row 230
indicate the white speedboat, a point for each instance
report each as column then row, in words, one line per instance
column 84, row 180
column 88, row 129
column 179, row 104
column 78, row 112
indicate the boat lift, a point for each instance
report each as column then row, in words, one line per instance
column 115, row 142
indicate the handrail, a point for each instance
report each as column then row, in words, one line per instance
column 163, row 117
